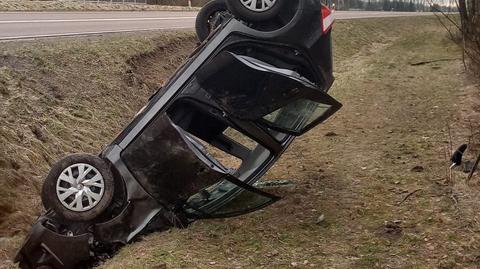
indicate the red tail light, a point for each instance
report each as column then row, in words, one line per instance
column 328, row 18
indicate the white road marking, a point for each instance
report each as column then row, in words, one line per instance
column 7, row 38
column 185, row 21
column 98, row 20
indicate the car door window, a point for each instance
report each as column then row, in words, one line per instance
column 229, row 198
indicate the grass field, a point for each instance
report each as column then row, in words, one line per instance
column 387, row 142
column 370, row 188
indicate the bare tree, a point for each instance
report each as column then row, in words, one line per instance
column 467, row 24
column 470, row 29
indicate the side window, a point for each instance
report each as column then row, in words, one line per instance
column 230, row 198
column 297, row 116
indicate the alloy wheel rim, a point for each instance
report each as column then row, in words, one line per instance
column 258, row 5
column 80, row 187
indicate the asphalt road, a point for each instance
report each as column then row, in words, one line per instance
column 31, row 25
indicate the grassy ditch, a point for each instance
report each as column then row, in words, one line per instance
column 355, row 171
column 76, row 94
column 71, row 95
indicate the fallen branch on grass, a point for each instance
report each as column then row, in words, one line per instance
column 408, row 196
column 475, row 166
column 433, row 61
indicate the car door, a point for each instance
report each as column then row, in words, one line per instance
column 275, row 98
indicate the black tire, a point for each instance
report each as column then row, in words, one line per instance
column 242, row 12
column 203, row 24
column 49, row 191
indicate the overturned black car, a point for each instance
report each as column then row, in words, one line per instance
column 258, row 80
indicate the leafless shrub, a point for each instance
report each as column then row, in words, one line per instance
column 466, row 25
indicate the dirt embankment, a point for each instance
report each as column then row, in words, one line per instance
column 65, row 96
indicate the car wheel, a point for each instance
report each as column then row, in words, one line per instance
column 79, row 187
column 255, row 10
column 210, row 17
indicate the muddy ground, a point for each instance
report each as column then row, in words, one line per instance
column 370, row 186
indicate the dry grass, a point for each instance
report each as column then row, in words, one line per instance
column 394, row 119
column 65, row 96
column 61, row 5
